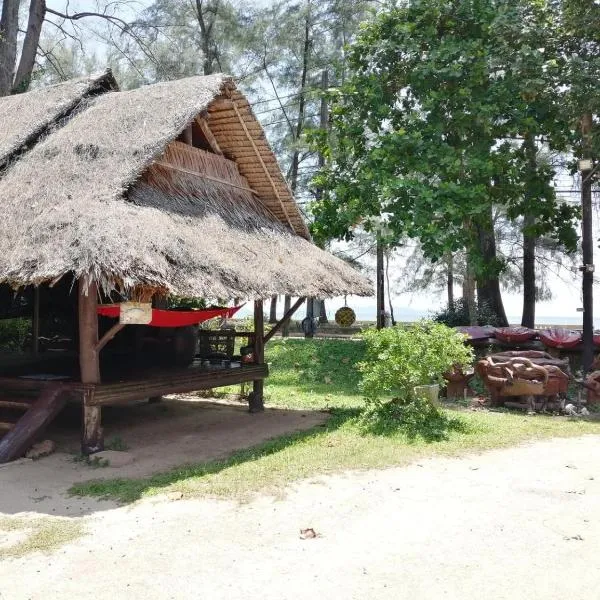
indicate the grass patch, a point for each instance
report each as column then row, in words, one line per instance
column 37, row 535
column 320, row 375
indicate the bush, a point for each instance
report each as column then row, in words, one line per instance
column 457, row 314
column 185, row 303
column 397, row 360
column 416, row 418
column 14, row 334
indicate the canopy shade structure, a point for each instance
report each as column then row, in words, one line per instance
column 171, row 188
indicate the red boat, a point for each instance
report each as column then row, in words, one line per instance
column 514, row 334
column 476, row 333
column 555, row 337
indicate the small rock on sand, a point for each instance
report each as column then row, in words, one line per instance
column 41, row 449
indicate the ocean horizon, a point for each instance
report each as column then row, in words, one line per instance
column 407, row 314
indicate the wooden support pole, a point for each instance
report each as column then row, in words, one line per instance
column 109, row 335
column 35, row 324
column 256, row 401
column 91, row 431
column 208, row 134
column 285, row 319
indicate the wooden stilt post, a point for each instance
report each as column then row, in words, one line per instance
column 256, row 403
column 92, row 439
column 35, row 323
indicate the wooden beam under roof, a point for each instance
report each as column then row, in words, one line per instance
column 208, row 134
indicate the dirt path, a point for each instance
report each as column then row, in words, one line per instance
column 159, row 437
column 518, row 523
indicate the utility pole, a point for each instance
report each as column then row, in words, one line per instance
column 586, row 167
column 380, row 286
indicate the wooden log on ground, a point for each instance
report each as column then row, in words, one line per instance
column 25, row 431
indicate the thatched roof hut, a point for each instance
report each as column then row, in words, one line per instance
column 171, row 188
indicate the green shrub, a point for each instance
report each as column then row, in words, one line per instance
column 397, row 360
column 14, row 334
column 457, row 314
column 415, row 417
column 186, row 303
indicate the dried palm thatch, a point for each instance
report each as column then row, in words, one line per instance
column 25, row 117
column 88, row 200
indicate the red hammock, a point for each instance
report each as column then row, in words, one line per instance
column 174, row 318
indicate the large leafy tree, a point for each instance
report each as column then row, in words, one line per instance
column 431, row 132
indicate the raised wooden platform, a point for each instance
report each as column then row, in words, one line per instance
column 27, row 405
column 173, row 381
column 140, row 384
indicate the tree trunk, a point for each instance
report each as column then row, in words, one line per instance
column 273, row 310
column 529, row 240
column 37, row 12
column 287, row 303
column 468, row 294
column 322, row 312
column 310, row 315
column 488, row 282
column 211, row 54
column 450, row 279
column 301, row 103
column 380, row 287
column 388, row 287
column 528, row 316
column 9, row 29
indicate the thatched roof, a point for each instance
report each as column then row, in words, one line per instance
column 87, row 199
column 25, row 117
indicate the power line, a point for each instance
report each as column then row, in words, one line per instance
column 270, row 110
column 285, row 120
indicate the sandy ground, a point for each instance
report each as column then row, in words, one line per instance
column 511, row 524
column 178, row 431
